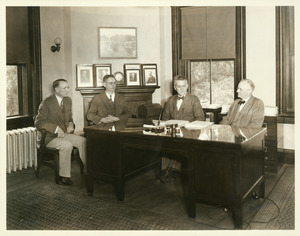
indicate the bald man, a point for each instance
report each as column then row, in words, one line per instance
column 247, row 110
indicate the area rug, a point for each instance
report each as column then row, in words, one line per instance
column 48, row 208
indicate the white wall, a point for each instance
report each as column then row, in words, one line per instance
column 77, row 26
column 261, row 63
column 260, row 52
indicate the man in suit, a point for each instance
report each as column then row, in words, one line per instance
column 182, row 106
column 247, row 110
column 108, row 106
column 55, row 117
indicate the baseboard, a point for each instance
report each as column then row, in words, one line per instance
column 286, row 156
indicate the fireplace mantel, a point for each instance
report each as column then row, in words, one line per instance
column 134, row 95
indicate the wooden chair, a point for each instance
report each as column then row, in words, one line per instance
column 50, row 156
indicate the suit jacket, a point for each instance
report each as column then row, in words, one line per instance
column 50, row 115
column 100, row 108
column 252, row 114
column 190, row 109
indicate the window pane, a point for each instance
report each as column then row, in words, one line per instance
column 200, row 81
column 213, row 81
column 12, row 98
column 222, row 82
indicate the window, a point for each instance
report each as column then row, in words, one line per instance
column 23, row 70
column 213, row 81
column 285, row 63
column 12, row 94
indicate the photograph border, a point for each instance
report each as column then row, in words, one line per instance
column 95, row 67
column 138, row 83
column 80, row 67
column 146, row 67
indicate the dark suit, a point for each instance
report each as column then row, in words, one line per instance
column 101, row 107
column 190, row 109
column 50, row 115
column 251, row 115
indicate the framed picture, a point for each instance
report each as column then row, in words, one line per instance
column 117, row 42
column 100, row 70
column 84, row 76
column 150, row 74
column 133, row 77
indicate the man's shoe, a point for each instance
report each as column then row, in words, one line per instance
column 66, row 181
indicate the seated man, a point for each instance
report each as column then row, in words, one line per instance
column 108, row 106
column 182, row 106
column 55, row 117
column 247, row 110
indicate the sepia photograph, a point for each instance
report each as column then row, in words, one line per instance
column 161, row 118
column 84, row 76
column 100, row 70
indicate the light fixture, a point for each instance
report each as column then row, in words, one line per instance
column 57, row 42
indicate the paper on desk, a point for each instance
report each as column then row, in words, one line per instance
column 171, row 122
column 197, row 124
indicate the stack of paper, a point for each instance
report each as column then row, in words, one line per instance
column 171, row 122
column 271, row 111
column 197, row 124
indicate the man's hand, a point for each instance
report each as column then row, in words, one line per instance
column 109, row 119
column 60, row 132
column 70, row 128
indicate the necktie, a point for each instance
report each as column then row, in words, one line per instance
column 110, row 98
column 61, row 105
column 180, row 98
column 241, row 102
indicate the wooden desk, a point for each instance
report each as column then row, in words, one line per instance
column 222, row 166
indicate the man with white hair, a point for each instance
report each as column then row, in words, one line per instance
column 246, row 110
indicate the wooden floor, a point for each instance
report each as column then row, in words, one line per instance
column 143, row 192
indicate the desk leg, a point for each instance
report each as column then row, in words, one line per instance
column 90, row 184
column 191, row 195
column 120, row 188
column 238, row 214
column 261, row 190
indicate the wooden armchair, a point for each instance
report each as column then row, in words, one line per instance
column 50, row 156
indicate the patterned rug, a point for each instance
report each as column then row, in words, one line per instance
column 43, row 208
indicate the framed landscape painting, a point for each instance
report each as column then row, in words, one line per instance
column 117, row 42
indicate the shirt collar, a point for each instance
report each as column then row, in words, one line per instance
column 112, row 96
column 59, row 99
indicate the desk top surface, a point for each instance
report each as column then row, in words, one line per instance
column 214, row 132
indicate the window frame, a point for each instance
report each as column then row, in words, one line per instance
column 31, row 89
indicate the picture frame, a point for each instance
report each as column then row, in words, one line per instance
column 100, row 70
column 84, row 76
column 133, row 77
column 117, row 42
column 150, row 75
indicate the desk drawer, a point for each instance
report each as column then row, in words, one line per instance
column 270, row 156
column 270, row 165
column 270, row 149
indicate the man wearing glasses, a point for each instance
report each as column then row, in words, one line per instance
column 181, row 106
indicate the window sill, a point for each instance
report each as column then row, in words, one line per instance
column 286, row 118
column 16, row 122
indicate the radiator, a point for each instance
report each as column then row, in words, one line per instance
column 21, row 149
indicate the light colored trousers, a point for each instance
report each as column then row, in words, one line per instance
column 65, row 147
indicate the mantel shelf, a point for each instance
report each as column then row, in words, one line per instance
column 122, row 90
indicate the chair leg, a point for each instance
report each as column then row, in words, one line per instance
column 39, row 160
column 56, row 163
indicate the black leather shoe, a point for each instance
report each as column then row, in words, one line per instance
column 66, row 181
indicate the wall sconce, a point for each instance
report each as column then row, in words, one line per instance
column 57, row 42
